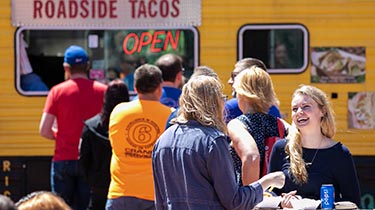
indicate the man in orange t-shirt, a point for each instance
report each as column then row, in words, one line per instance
column 134, row 127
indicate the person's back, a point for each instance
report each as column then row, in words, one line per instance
column 133, row 129
column 143, row 121
column 67, row 106
column 260, row 126
column 95, row 148
column 250, row 131
column 232, row 110
column 72, row 102
column 193, row 170
column 172, row 70
column 231, row 106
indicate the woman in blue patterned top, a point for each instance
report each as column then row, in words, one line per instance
column 309, row 157
column 248, row 132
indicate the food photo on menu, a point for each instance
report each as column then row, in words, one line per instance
column 361, row 110
column 338, row 64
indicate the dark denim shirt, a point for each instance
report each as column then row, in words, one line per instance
column 193, row 169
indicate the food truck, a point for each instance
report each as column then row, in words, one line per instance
column 328, row 44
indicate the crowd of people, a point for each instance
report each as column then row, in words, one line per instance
column 183, row 145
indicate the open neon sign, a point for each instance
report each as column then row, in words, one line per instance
column 156, row 41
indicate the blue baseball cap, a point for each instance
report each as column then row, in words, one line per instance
column 75, row 55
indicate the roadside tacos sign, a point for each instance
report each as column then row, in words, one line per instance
column 115, row 13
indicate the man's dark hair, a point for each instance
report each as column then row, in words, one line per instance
column 204, row 70
column 170, row 65
column 79, row 68
column 147, row 78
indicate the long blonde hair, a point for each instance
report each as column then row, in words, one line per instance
column 255, row 84
column 294, row 144
column 202, row 100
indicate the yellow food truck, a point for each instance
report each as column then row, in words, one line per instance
column 326, row 43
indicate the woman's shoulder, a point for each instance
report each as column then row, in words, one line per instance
column 213, row 133
column 340, row 148
column 94, row 121
column 231, row 103
column 257, row 118
column 274, row 111
column 195, row 129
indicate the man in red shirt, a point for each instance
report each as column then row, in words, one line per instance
column 67, row 106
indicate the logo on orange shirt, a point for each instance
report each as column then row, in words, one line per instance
column 142, row 134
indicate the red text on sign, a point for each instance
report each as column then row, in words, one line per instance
column 155, row 8
column 75, row 9
column 157, row 41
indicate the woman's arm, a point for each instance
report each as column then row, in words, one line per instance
column 220, row 169
column 85, row 151
column 247, row 150
column 347, row 179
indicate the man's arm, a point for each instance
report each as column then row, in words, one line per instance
column 46, row 128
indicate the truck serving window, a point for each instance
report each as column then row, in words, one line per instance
column 113, row 53
column 283, row 48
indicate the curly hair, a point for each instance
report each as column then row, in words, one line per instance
column 202, row 100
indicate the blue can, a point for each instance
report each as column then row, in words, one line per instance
column 327, row 196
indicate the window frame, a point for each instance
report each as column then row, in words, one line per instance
column 19, row 30
column 301, row 27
